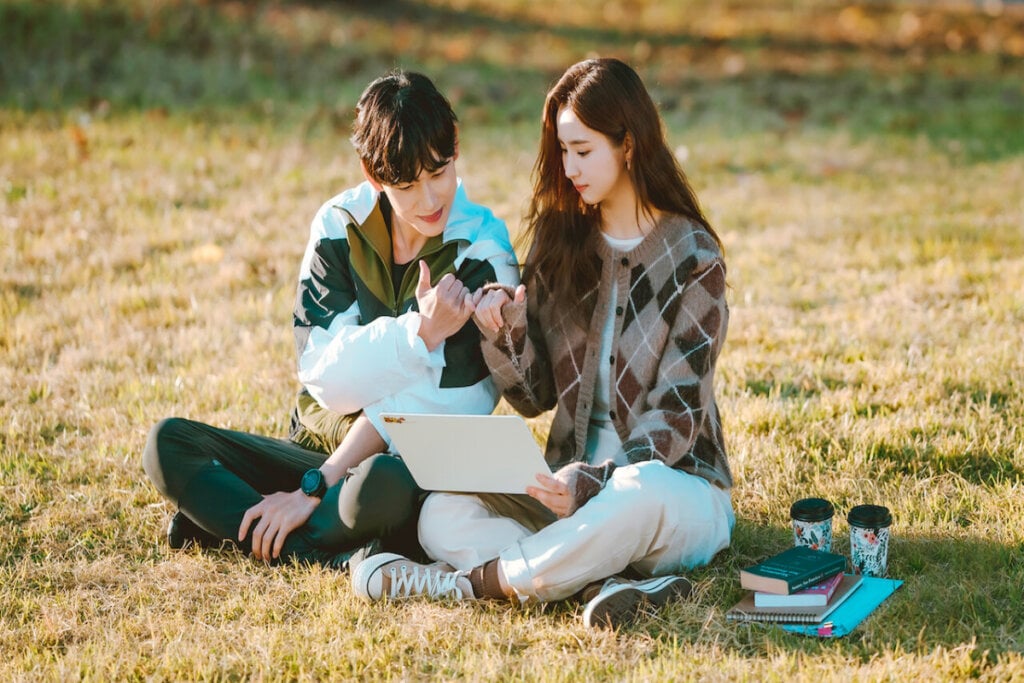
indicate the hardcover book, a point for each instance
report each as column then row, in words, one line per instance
column 791, row 570
column 815, row 596
column 746, row 610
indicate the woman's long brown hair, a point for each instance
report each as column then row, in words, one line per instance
column 608, row 97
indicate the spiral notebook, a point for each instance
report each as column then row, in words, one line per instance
column 746, row 610
column 873, row 592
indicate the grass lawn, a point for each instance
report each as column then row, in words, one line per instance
column 159, row 166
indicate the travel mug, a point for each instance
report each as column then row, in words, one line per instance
column 812, row 523
column 869, row 539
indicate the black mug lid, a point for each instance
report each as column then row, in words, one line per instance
column 869, row 516
column 811, row 510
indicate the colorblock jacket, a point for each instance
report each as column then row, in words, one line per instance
column 670, row 324
column 356, row 337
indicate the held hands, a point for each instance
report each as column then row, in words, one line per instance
column 489, row 306
column 279, row 514
column 444, row 309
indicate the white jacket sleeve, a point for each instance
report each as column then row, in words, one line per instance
column 348, row 366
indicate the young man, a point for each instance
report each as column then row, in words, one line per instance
column 382, row 323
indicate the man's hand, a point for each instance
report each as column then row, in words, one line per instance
column 279, row 514
column 444, row 309
column 488, row 306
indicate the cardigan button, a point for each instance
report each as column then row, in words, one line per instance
column 625, row 261
column 611, row 360
column 611, row 414
column 618, row 310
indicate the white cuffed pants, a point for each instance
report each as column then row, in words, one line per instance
column 653, row 518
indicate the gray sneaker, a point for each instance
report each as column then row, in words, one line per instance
column 621, row 602
column 388, row 576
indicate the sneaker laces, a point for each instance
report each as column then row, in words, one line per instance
column 420, row 580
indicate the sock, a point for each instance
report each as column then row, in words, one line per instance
column 484, row 579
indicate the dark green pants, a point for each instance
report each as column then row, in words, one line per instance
column 214, row 475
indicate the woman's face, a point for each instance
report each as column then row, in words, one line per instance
column 595, row 166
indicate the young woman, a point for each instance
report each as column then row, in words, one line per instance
column 617, row 326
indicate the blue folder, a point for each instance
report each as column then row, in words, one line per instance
column 871, row 593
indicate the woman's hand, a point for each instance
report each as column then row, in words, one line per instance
column 489, row 304
column 568, row 489
column 279, row 514
column 552, row 494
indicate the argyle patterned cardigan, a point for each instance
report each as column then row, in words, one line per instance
column 670, row 323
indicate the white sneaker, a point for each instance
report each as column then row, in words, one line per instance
column 621, row 602
column 392, row 577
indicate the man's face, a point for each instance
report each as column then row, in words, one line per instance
column 424, row 204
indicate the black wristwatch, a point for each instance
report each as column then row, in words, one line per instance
column 313, row 484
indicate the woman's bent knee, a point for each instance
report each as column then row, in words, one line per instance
column 436, row 515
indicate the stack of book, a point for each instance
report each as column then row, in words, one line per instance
column 797, row 586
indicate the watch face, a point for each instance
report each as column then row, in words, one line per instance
column 312, row 483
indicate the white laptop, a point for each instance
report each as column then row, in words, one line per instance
column 467, row 453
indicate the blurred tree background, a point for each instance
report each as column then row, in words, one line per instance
column 949, row 70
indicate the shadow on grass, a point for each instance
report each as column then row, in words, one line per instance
column 198, row 56
column 919, row 452
column 771, row 388
column 955, row 591
column 981, row 466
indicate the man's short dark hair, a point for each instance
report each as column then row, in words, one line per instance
column 403, row 126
